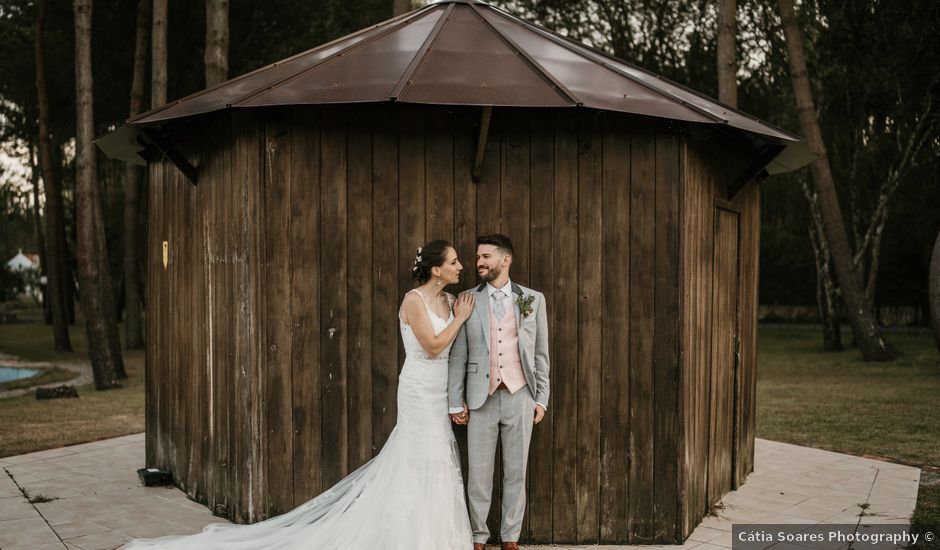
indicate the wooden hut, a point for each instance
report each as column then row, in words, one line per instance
column 285, row 208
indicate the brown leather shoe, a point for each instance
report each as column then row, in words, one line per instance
column 479, row 546
column 510, row 546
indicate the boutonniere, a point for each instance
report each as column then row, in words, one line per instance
column 525, row 304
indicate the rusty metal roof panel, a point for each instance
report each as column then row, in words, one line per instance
column 464, row 52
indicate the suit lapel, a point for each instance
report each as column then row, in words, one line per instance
column 483, row 312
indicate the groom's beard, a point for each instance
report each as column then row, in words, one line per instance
column 492, row 274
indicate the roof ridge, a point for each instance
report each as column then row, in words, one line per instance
column 422, row 53
column 326, row 60
column 559, row 88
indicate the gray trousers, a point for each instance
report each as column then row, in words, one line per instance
column 508, row 417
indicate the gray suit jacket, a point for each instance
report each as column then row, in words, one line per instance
column 469, row 365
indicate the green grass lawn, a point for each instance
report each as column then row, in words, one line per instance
column 838, row 402
column 28, row 425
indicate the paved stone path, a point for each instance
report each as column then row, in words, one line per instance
column 100, row 504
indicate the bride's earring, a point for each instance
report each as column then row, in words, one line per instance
column 439, row 283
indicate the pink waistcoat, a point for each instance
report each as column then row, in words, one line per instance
column 505, row 363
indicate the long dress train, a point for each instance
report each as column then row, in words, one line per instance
column 409, row 496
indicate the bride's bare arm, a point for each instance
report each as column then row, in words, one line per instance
column 416, row 315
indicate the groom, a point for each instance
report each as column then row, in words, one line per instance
column 499, row 371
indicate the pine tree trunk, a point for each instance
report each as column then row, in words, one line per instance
column 94, row 278
column 864, row 326
column 727, row 66
column 40, row 237
column 56, row 259
column 158, row 55
column 133, row 175
column 934, row 292
column 216, row 42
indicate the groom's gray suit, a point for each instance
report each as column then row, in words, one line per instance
column 502, row 414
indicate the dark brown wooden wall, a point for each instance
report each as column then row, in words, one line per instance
column 273, row 346
column 719, row 269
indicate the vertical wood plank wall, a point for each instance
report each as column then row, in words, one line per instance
column 710, row 412
column 273, row 346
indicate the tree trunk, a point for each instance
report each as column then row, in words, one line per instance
column 216, row 42
column 401, row 6
column 158, row 55
column 40, row 238
column 934, row 291
column 867, row 332
column 827, row 296
column 57, row 271
column 727, row 66
column 133, row 175
column 94, row 278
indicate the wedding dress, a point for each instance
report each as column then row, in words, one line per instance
column 410, row 495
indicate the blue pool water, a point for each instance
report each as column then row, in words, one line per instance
column 10, row 373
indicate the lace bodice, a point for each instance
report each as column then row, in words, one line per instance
column 413, row 348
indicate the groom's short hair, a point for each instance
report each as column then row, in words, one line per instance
column 498, row 240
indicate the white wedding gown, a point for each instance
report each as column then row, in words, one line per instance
column 409, row 496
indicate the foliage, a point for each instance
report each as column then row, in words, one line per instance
column 12, row 283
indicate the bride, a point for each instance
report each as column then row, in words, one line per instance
column 411, row 494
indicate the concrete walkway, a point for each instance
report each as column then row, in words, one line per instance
column 99, row 502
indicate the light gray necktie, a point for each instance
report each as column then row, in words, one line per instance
column 499, row 304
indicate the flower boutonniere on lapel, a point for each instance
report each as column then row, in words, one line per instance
column 525, row 304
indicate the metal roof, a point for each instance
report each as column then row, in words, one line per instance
column 463, row 52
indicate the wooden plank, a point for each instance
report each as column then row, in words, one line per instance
column 276, row 288
column 306, row 405
column 541, row 261
column 642, row 283
column 489, row 187
column 258, row 435
column 514, row 190
column 439, row 170
column 359, row 223
column 745, row 391
column 411, row 196
column 156, row 305
column 334, row 463
column 666, row 366
column 590, row 312
column 228, row 311
column 245, row 176
column 385, row 296
column 565, row 343
column 724, row 329
column 466, row 120
column 615, row 365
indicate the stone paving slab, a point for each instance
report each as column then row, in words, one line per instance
column 99, row 503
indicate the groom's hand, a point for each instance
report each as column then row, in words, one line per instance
column 461, row 417
column 539, row 414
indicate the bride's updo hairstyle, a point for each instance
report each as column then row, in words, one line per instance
column 428, row 256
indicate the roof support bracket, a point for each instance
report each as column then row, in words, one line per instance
column 755, row 169
column 481, row 143
column 182, row 163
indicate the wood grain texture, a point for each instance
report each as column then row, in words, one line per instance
column 294, row 251
column 590, row 314
column 334, row 418
column 616, row 363
column 306, row 404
